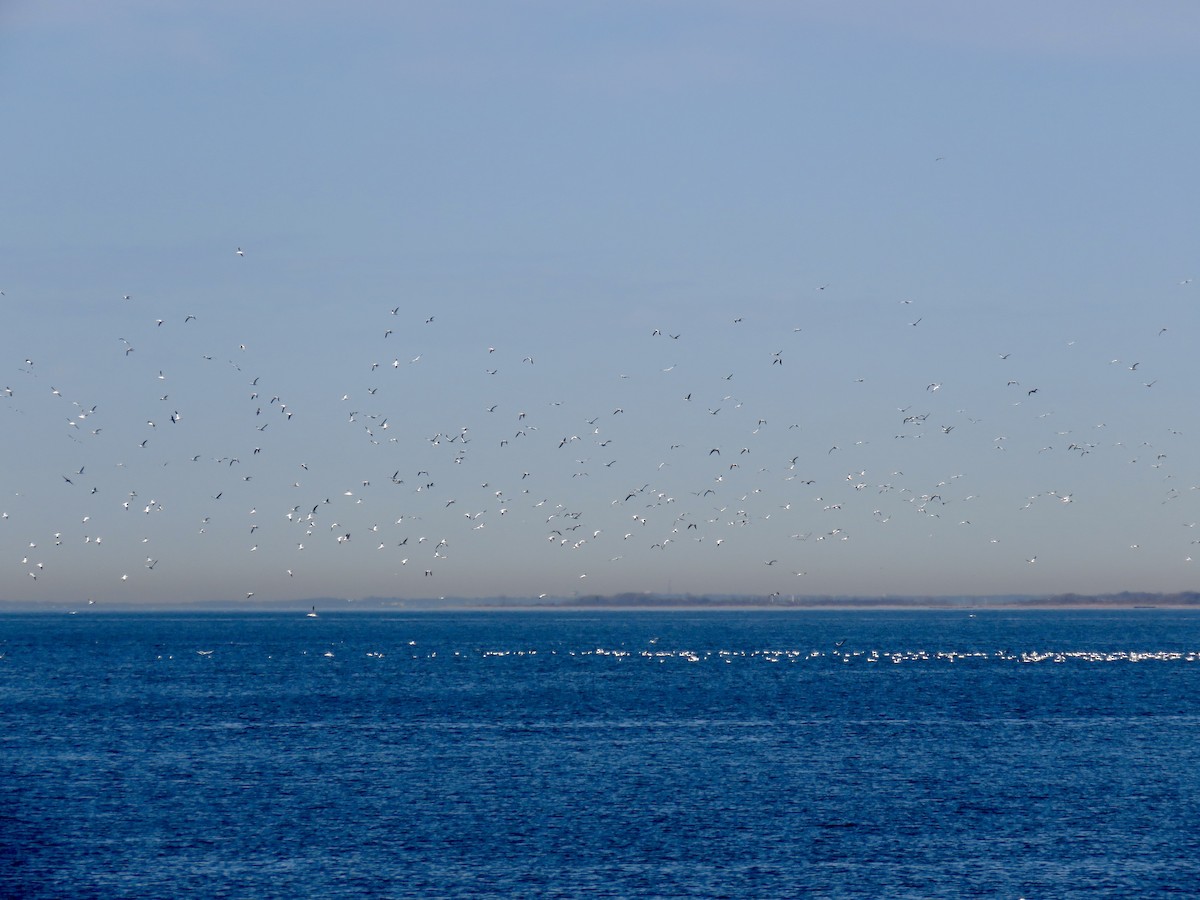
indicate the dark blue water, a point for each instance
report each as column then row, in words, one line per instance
column 732, row 754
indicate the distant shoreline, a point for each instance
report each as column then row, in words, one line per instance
column 643, row 603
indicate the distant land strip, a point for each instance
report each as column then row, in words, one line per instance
column 645, row 601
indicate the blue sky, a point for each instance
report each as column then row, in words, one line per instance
column 892, row 299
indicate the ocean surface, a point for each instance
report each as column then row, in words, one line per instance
column 1035, row 754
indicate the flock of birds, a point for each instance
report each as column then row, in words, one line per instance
column 535, row 468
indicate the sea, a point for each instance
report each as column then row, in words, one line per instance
column 731, row 754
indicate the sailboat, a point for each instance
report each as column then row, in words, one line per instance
column 313, row 614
